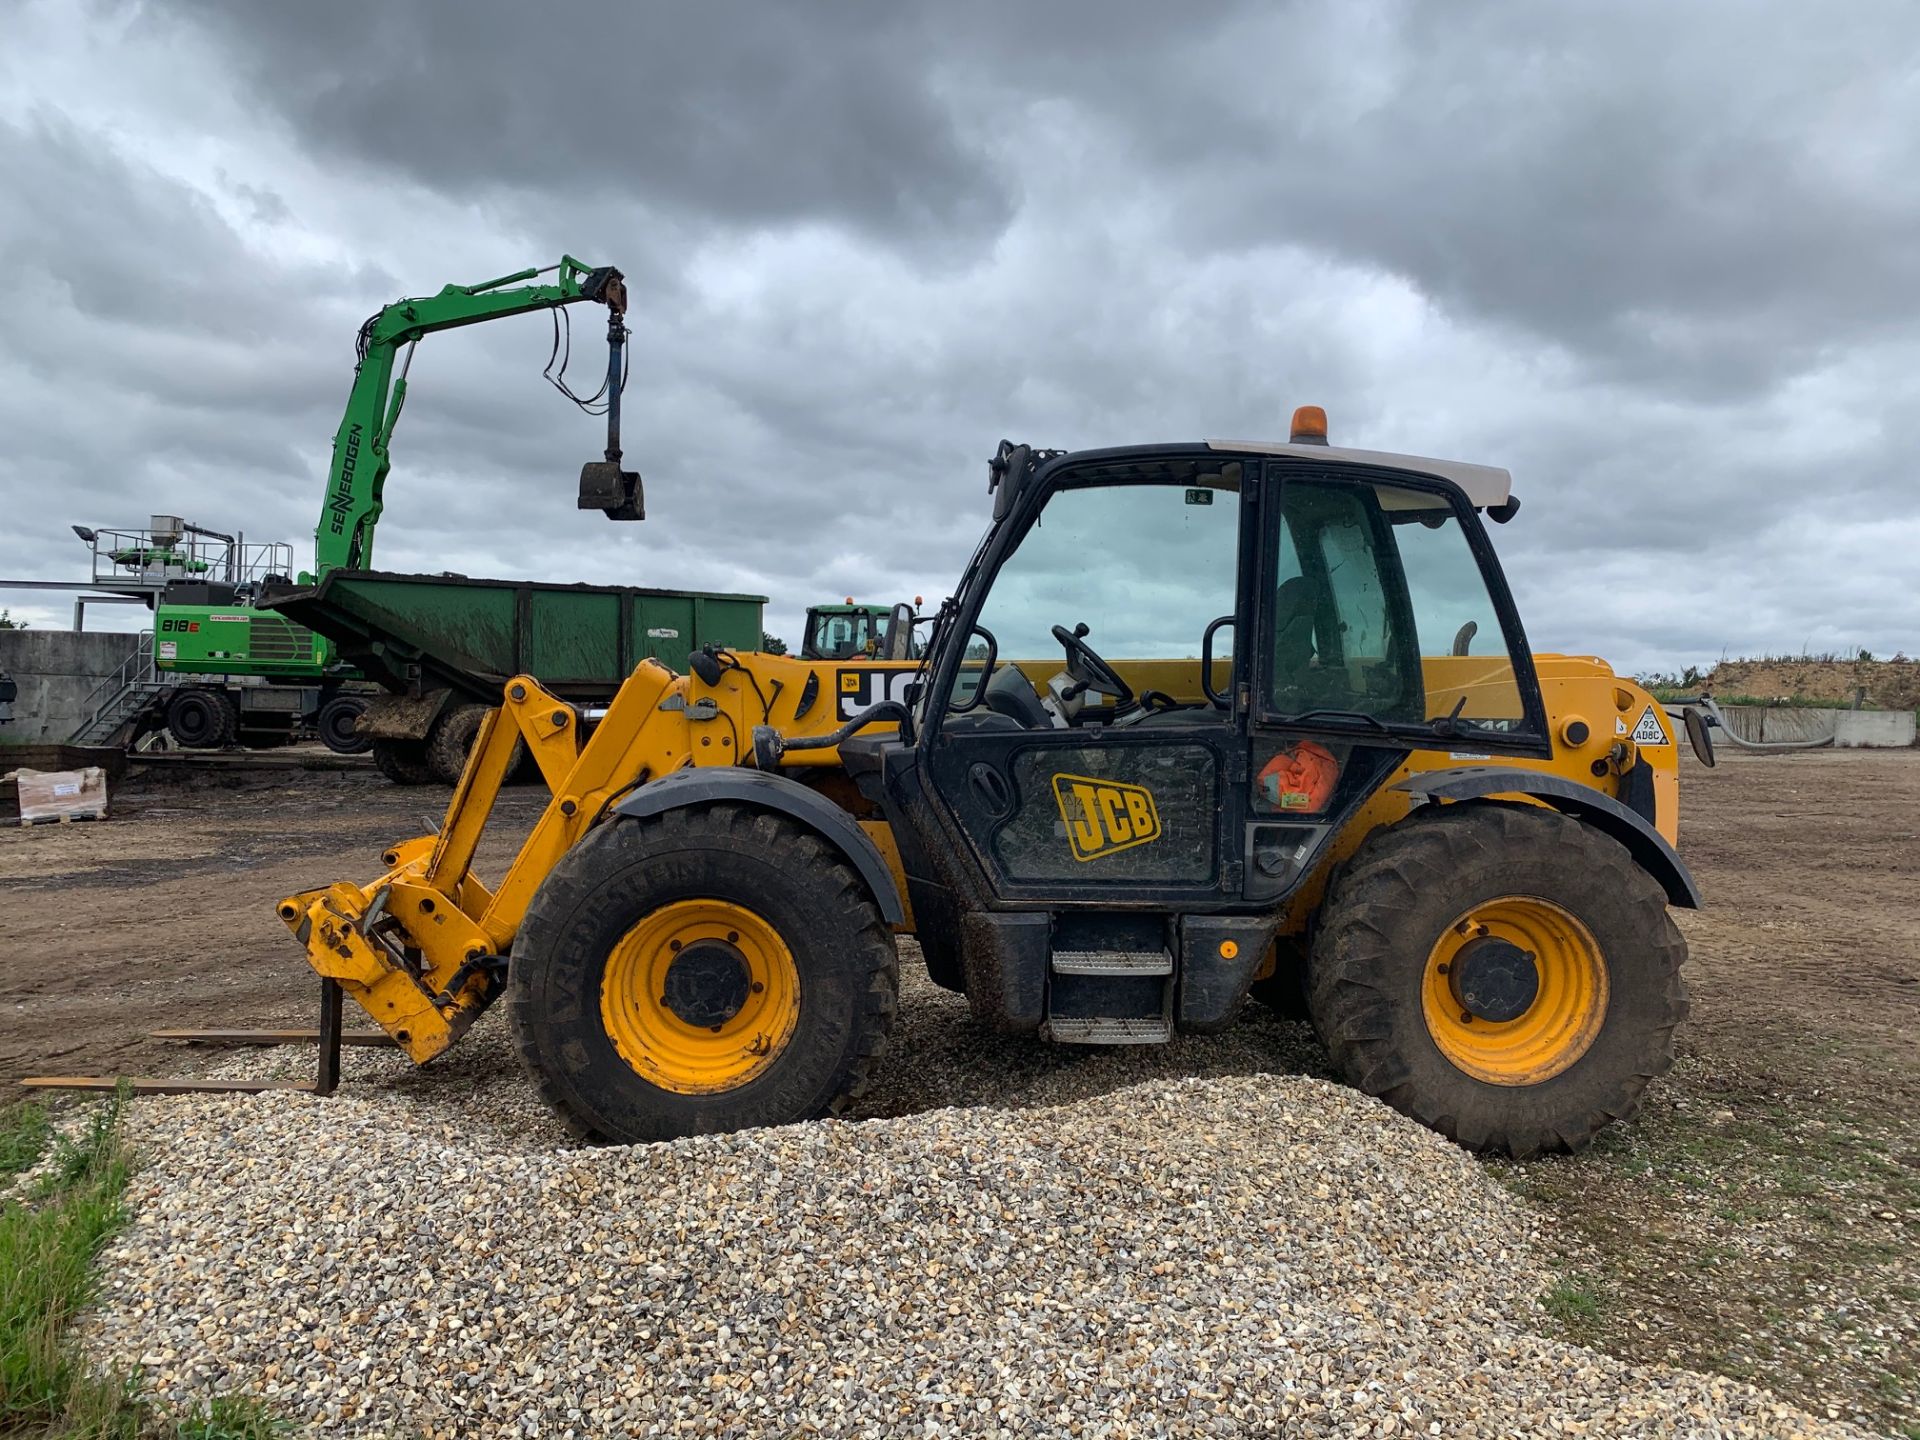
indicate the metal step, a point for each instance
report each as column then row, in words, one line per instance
column 1100, row 1030
column 1112, row 962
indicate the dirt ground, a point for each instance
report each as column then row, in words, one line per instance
column 1761, row 1219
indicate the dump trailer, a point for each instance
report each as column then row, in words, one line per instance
column 1275, row 730
column 444, row 646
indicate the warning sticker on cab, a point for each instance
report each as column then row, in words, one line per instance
column 169, row 649
column 1649, row 730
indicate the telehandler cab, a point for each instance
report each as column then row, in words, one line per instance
column 1293, row 743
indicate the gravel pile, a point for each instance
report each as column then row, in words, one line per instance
column 1239, row 1254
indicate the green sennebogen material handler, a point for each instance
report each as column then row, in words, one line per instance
column 223, row 633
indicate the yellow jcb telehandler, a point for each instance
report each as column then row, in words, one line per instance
column 1292, row 743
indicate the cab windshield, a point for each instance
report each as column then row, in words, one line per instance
column 842, row 634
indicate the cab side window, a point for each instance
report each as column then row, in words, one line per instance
column 1334, row 625
column 1381, row 609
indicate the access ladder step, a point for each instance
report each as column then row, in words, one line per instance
column 1104, row 1030
column 1112, row 962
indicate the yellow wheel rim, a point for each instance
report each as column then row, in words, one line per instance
column 1476, row 999
column 700, row 996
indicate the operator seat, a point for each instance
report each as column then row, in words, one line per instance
column 1292, row 630
column 1010, row 693
column 1295, row 681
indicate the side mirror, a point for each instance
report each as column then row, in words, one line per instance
column 897, row 644
column 1698, row 735
column 986, row 663
column 1006, row 473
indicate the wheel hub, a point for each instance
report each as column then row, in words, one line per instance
column 707, row 983
column 1495, row 979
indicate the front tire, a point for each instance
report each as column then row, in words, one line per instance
column 202, row 719
column 699, row 972
column 1569, row 961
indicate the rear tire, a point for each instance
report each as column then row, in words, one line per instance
column 629, row 879
column 202, row 719
column 1604, row 954
column 335, row 725
column 404, row 762
column 452, row 740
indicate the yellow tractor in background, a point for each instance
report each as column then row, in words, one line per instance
column 1293, row 739
column 1276, row 731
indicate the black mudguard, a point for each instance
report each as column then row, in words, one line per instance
column 1647, row 845
column 734, row 785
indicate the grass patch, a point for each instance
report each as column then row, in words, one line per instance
column 24, row 1133
column 233, row 1417
column 49, row 1238
column 47, row 1244
column 1573, row 1301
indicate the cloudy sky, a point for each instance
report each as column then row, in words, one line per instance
column 1659, row 261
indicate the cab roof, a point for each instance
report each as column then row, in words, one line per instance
column 1485, row 485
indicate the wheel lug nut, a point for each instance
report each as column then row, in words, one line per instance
column 758, row 987
column 1466, row 1017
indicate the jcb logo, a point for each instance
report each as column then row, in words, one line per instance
column 1104, row 817
column 861, row 688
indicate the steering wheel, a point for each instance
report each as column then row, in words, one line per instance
column 1089, row 669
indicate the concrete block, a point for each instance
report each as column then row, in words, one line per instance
column 56, row 671
column 1878, row 728
column 1795, row 724
column 1746, row 722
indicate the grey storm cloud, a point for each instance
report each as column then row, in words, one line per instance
column 1656, row 260
column 773, row 115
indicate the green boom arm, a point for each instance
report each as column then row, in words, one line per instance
column 358, row 472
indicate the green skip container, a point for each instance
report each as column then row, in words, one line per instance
column 417, row 635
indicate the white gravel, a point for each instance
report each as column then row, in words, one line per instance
column 1245, row 1253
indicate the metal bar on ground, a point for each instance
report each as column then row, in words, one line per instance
column 242, row 1038
column 145, row 1086
column 326, row 1077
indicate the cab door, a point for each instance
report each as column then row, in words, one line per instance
column 1065, row 786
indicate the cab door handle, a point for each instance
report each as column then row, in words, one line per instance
column 992, row 788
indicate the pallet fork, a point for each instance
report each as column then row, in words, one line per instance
column 328, row 1038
